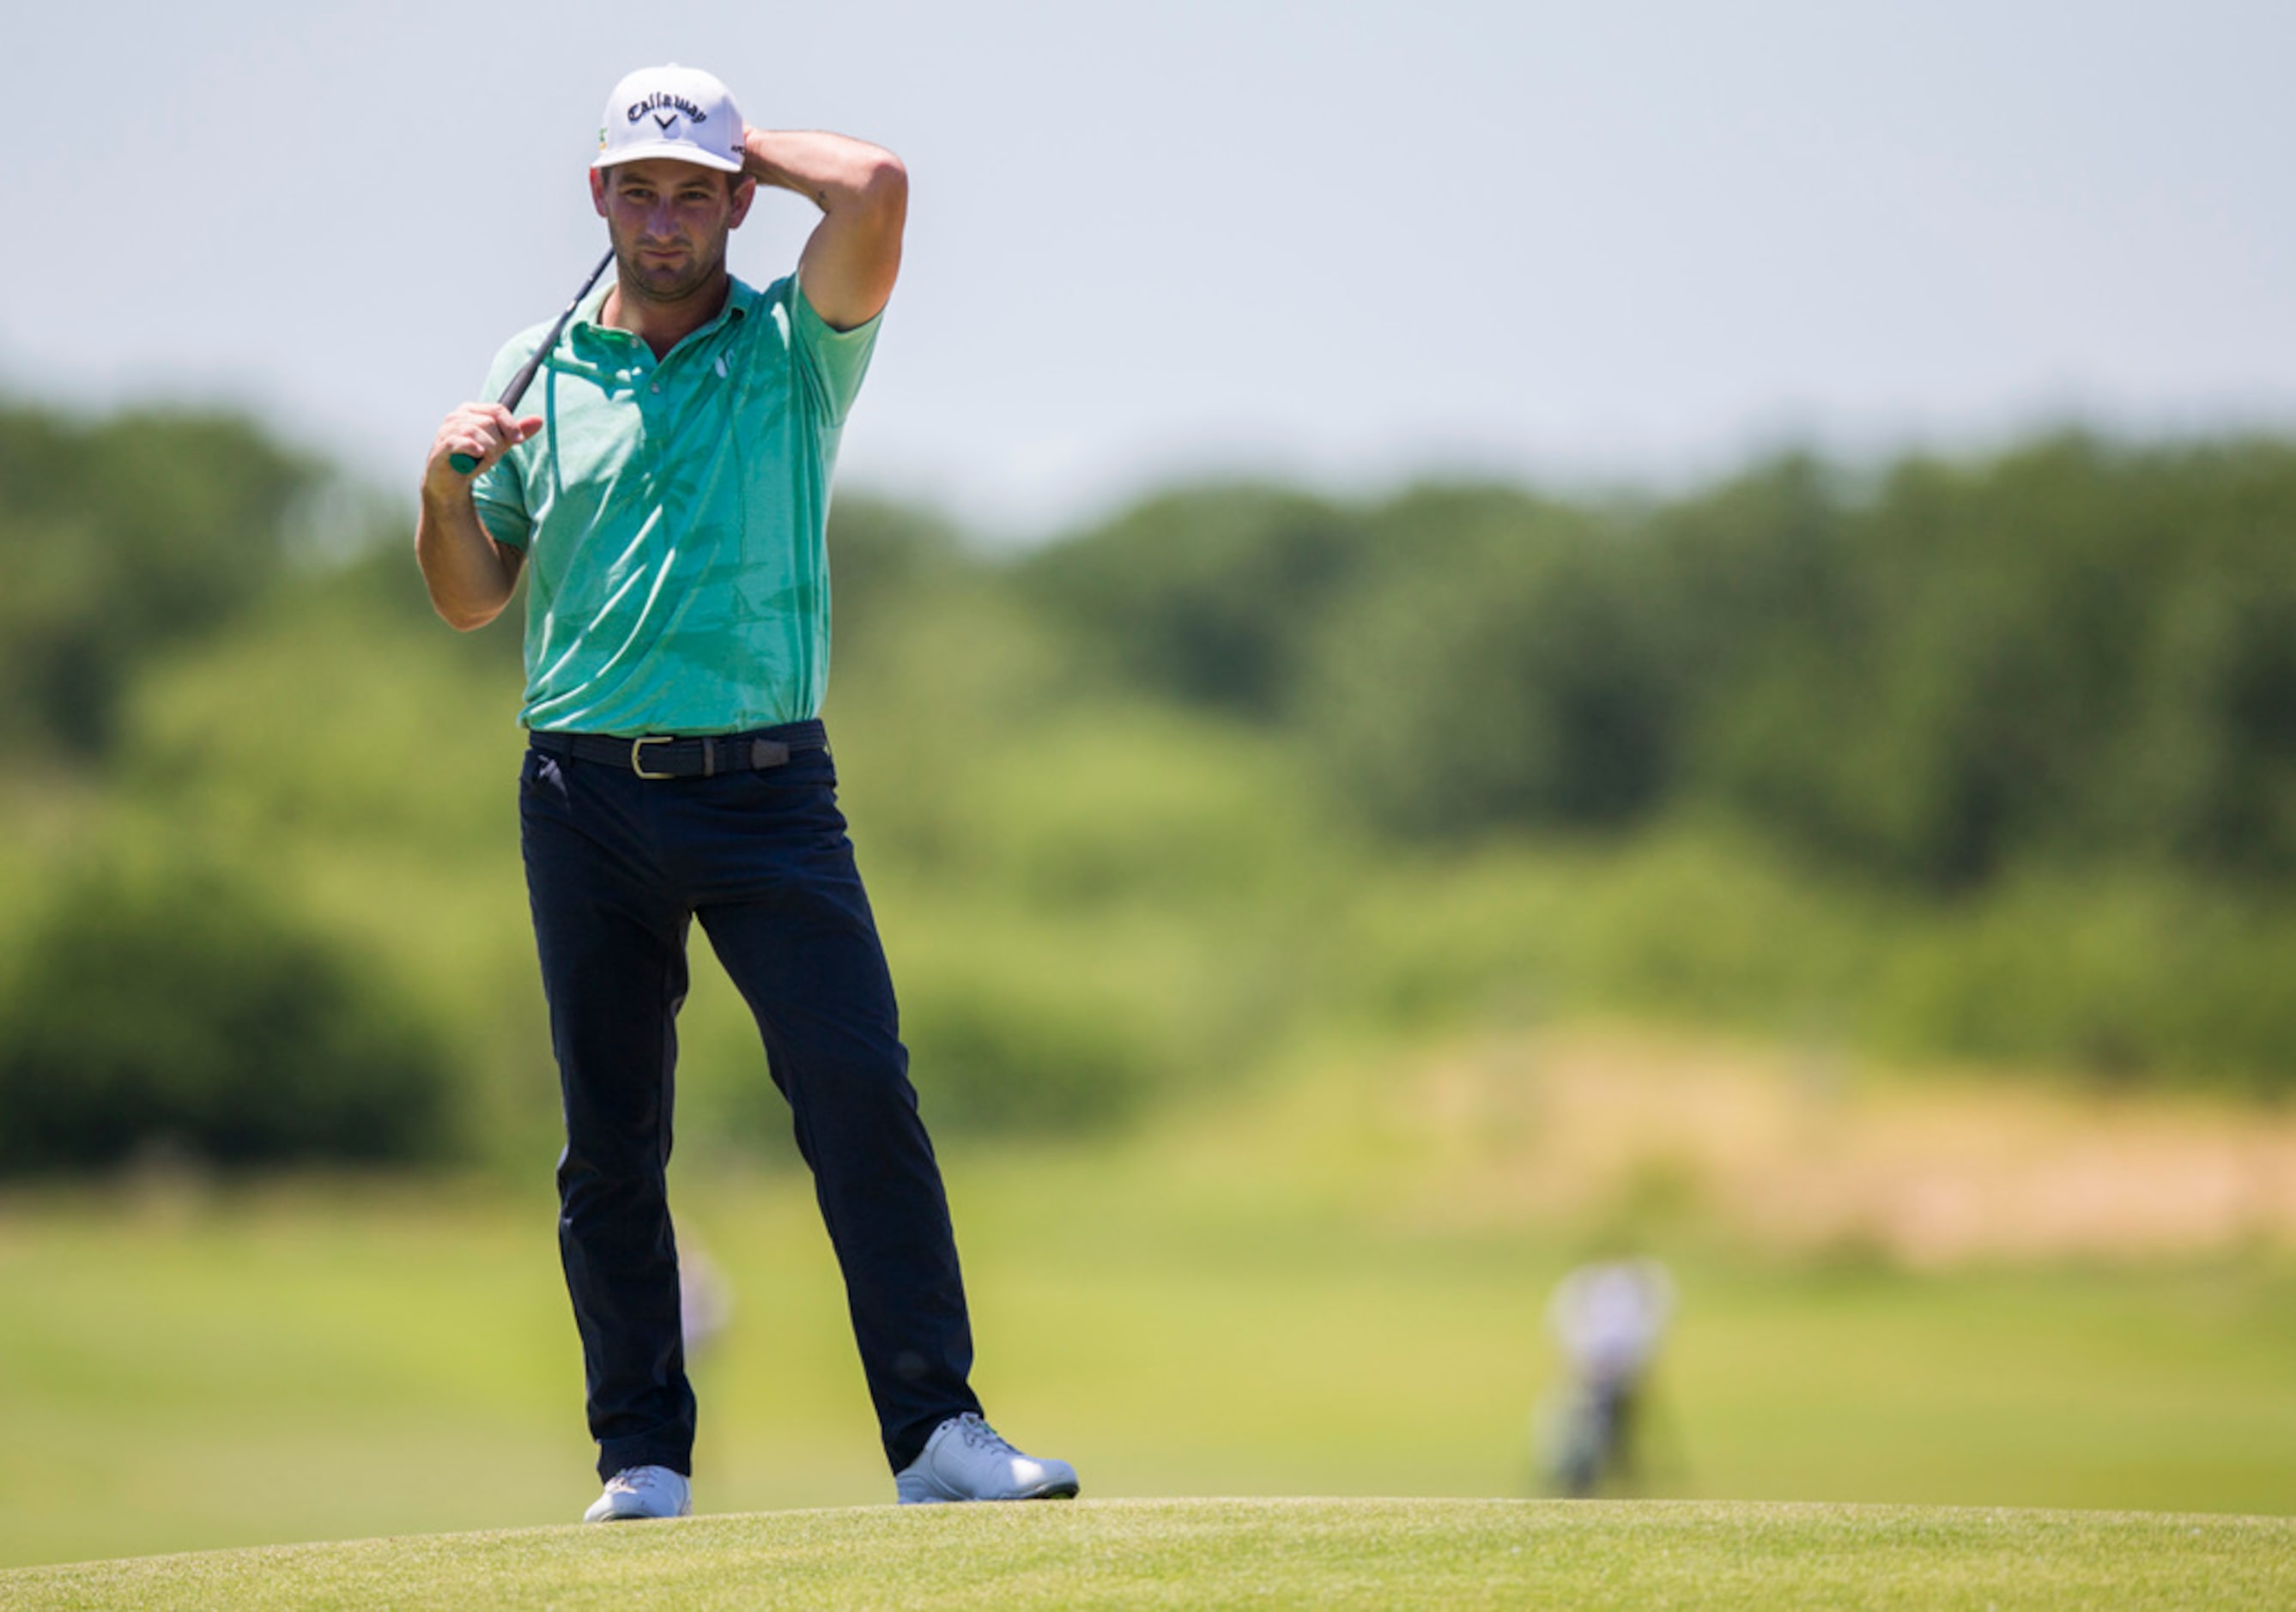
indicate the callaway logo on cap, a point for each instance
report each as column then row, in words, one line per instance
column 680, row 112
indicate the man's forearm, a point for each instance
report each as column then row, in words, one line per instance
column 835, row 171
column 467, row 573
column 854, row 254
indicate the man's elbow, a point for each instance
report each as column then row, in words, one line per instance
column 464, row 598
column 458, row 607
column 464, row 618
column 886, row 188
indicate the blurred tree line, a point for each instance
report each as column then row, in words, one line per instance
column 2074, row 654
column 1989, row 758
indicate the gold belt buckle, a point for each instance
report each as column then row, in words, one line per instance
column 638, row 756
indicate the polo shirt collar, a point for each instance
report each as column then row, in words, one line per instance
column 739, row 298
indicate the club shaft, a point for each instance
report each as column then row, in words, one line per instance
column 527, row 371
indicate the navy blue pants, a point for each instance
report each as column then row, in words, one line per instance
column 617, row 866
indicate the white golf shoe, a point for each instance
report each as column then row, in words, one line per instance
column 641, row 1492
column 965, row 1460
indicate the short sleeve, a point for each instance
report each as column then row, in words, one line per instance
column 500, row 489
column 834, row 360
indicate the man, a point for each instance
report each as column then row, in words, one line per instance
column 668, row 499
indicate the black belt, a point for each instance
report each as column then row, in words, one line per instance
column 665, row 756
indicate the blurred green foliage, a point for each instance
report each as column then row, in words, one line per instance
column 1994, row 758
column 120, row 538
column 173, row 1007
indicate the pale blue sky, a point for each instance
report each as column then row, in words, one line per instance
column 1341, row 241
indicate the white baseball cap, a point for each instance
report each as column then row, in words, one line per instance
column 679, row 112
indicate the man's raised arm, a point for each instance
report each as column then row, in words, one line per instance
column 853, row 255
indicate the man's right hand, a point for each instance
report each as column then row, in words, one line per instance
column 485, row 432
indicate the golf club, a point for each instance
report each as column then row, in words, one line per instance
column 520, row 382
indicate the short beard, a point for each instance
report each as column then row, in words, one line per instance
column 636, row 282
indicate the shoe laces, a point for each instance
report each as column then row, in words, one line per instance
column 977, row 1434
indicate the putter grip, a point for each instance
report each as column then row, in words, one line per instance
column 463, row 463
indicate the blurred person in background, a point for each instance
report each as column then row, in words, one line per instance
column 705, row 1301
column 1609, row 1318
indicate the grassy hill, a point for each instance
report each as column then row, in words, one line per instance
column 1212, row 1553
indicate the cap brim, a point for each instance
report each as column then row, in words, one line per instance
column 677, row 151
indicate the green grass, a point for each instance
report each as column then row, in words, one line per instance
column 314, row 1360
column 1214, row 1553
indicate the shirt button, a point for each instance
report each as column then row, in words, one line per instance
column 656, row 387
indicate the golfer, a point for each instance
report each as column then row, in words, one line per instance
column 668, row 497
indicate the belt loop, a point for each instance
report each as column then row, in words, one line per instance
column 709, row 757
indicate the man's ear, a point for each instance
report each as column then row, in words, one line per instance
column 745, row 190
column 598, row 190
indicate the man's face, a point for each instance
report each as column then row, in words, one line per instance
column 668, row 221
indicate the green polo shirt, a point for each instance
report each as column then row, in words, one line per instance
column 672, row 513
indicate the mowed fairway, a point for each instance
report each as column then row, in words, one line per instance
column 1210, row 1553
